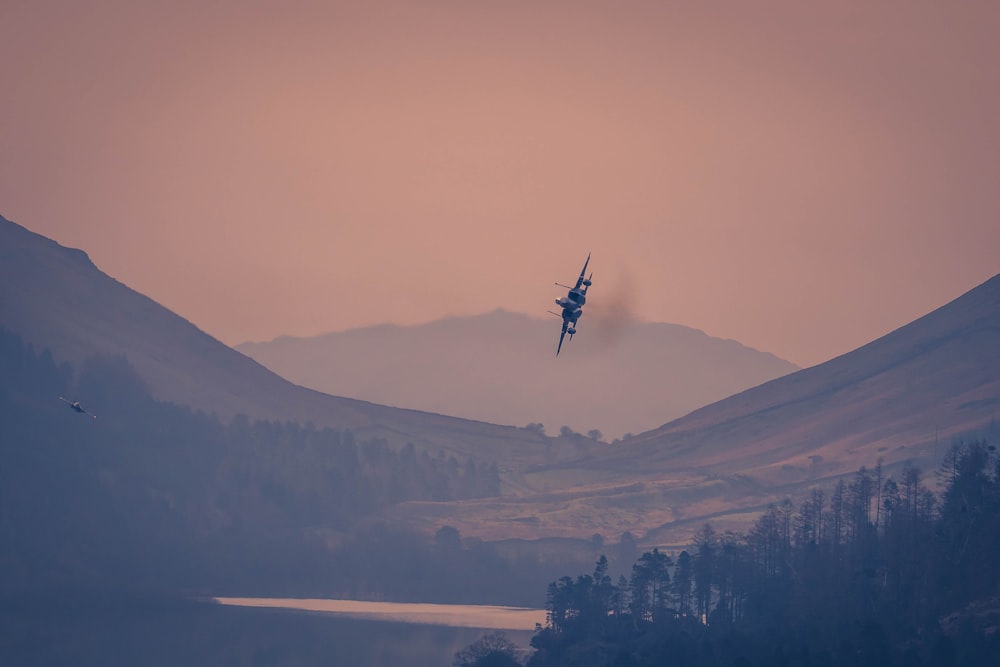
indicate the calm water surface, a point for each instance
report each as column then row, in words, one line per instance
column 454, row 615
column 110, row 631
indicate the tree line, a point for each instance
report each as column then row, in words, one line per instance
column 157, row 495
column 877, row 571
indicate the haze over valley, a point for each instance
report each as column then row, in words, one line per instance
column 299, row 504
column 623, row 377
column 273, row 282
column 901, row 398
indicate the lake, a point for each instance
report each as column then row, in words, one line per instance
column 109, row 630
column 454, row 615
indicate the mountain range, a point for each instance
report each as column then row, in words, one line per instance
column 901, row 398
column 621, row 376
column 55, row 298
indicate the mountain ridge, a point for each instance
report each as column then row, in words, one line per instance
column 900, row 399
column 56, row 298
column 617, row 376
column 939, row 374
column 957, row 338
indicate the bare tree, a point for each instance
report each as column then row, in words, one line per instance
column 490, row 650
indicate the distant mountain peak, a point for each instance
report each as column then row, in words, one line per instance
column 901, row 398
column 500, row 366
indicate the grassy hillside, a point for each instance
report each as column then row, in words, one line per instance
column 902, row 398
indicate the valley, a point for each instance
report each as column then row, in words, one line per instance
column 900, row 399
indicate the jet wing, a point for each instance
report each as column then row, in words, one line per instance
column 562, row 335
column 583, row 271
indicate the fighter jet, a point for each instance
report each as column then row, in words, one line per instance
column 572, row 304
column 75, row 405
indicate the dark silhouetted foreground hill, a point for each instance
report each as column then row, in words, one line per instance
column 619, row 376
column 152, row 496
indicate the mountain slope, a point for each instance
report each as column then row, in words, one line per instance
column 901, row 398
column 501, row 367
column 55, row 298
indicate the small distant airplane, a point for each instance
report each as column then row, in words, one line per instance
column 75, row 405
column 572, row 304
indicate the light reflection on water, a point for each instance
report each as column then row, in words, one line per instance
column 454, row 615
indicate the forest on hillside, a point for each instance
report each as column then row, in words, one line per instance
column 877, row 572
column 156, row 496
column 151, row 496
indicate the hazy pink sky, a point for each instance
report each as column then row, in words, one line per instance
column 800, row 179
